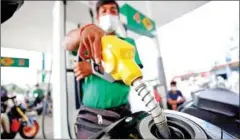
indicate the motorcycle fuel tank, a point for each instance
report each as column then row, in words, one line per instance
column 181, row 125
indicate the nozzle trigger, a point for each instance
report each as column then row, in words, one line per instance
column 97, row 71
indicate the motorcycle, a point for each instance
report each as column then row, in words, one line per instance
column 21, row 121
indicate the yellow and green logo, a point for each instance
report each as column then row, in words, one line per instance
column 147, row 23
column 7, row 61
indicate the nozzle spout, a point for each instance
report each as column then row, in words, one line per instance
column 159, row 118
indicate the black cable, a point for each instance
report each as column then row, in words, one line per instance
column 67, row 109
column 91, row 15
column 45, row 103
column 78, row 86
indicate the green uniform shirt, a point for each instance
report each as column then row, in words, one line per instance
column 39, row 92
column 101, row 94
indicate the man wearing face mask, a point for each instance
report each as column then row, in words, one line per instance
column 98, row 94
column 174, row 97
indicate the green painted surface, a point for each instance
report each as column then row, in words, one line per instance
column 137, row 58
column 14, row 62
column 137, row 21
column 43, row 67
column 74, row 53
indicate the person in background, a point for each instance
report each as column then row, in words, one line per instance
column 157, row 95
column 174, row 97
column 39, row 94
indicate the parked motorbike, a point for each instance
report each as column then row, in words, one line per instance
column 21, row 121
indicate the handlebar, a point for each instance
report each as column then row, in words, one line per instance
column 12, row 97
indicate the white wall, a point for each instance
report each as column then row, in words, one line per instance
column 21, row 76
column 148, row 55
column 29, row 75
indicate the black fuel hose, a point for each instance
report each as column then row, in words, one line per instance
column 68, row 121
column 45, row 107
column 91, row 15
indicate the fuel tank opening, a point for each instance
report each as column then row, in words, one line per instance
column 175, row 131
column 180, row 128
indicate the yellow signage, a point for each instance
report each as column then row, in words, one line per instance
column 7, row 61
column 14, row 62
column 147, row 24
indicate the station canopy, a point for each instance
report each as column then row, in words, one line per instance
column 31, row 26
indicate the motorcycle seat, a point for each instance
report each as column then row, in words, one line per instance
column 217, row 100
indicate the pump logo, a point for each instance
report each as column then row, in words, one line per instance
column 147, row 24
column 127, row 53
column 21, row 62
column 5, row 61
column 137, row 18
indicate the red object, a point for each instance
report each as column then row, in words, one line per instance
column 137, row 17
column 204, row 74
column 15, row 125
column 27, row 128
column 84, row 28
column 157, row 96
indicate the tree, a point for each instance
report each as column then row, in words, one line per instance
column 14, row 88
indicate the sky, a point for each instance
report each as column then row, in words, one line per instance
column 197, row 39
column 191, row 42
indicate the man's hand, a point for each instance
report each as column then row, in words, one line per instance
column 174, row 107
column 82, row 69
column 90, row 42
column 172, row 102
column 180, row 99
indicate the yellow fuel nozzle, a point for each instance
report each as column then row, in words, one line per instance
column 118, row 59
column 119, row 65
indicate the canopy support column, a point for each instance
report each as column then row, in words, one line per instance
column 60, row 129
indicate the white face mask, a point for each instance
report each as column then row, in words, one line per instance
column 109, row 23
column 174, row 88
